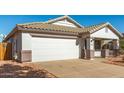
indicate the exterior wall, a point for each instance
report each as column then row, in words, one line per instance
column 16, row 45
column 81, row 48
column 46, row 49
column 97, row 53
column 26, row 41
column 104, row 33
column 90, row 43
column 90, row 48
column 26, row 52
column 65, row 23
column 116, row 44
column 19, row 45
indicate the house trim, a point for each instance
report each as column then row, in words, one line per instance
column 53, row 36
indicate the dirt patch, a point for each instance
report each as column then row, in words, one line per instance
column 119, row 60
column 9, row 69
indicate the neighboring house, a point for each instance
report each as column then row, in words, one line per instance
column 62, row 38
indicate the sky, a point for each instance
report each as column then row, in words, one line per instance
column 8, row 22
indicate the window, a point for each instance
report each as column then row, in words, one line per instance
column 97, row 44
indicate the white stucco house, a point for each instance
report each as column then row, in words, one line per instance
column 62, row 38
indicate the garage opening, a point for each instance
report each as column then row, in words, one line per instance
column 47, row 49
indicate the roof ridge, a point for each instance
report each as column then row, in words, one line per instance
column 96, row 24
column 50, row 20
column 30, row 23
column 49, row 25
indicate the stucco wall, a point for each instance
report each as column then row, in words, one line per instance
column 26, row 41
column 19, row 45
column 90, row 44
column 97, row 53
column 65, row 23
column 105, row 33
column 16, row 44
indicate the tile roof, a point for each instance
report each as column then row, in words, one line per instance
column 46, row 27
column 53, row 27
column 94, row 27
column 50, row 27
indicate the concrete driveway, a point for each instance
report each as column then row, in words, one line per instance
column 78, row 68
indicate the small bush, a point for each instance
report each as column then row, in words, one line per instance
column 121, row 51
column 122, row 43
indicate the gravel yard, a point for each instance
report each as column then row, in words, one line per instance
column 10, row 69
column 74, row 68
column 119, row 60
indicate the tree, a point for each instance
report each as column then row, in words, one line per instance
column 2, row 36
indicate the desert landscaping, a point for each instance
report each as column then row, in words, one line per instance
column 99, row 67
column 10, row 69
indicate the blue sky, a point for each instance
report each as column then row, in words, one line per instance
column 8, row 22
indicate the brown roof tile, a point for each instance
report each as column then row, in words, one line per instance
column 40, row 26
column 52, row 27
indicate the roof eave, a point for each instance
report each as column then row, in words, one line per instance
column 44, row 31
column 10, row 34
column 117, row 32
column 109, row 25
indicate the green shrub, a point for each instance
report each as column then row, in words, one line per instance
column 121, row 51
column 122, row 44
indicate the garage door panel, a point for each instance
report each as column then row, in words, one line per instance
column 45, row 49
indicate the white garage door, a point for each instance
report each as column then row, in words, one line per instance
column 46, row 49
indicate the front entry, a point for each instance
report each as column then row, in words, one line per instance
column 104, row 47
column 97, row 46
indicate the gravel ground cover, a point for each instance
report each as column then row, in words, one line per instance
column 9, row 69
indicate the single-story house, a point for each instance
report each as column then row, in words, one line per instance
column 62, row 38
